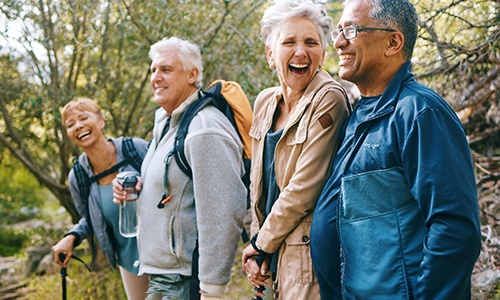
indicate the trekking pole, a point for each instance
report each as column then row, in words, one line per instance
column 63, row 272
column 259, row 259
column 63, row 275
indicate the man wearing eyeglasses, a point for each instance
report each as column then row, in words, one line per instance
column 398, row 218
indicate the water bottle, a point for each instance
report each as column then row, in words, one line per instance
column 128, row 213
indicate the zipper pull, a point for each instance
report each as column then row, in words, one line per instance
column 164, row 199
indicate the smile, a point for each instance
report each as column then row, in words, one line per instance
column 345, row 56
column 299, row 68
column 84, row 134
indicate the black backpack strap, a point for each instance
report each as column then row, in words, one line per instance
column 131, row 154
column 111, row 170
column 186, row 118
column 82, row 179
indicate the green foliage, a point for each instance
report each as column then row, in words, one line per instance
column 11, row 241
column 457, row 45
column 23, row 196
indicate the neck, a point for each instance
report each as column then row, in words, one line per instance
column 375, row 84
column 290, row 99
column 170, row 107
column 102, row 156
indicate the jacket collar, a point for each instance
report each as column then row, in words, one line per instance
column 161, row 115
column 320, row 79
column 388, row 101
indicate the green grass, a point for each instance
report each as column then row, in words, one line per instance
column 106, row 284
column 80, row 284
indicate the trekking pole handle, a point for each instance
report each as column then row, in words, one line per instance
column 62, row 257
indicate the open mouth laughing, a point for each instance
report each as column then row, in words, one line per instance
column 299, row 68
column 83, row 135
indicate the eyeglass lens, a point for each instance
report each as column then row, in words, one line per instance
column 349, row 32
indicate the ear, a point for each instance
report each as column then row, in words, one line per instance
column 395, row 42
column 193, row 75
column 101, row 123
column 269, row 56
column 322, row 59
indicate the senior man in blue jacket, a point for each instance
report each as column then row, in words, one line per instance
column 398, row 218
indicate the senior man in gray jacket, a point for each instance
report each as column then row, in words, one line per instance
column 206, row 211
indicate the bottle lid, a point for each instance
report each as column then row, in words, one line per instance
column 128, row 178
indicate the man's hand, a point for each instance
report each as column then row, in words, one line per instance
column 119, row 193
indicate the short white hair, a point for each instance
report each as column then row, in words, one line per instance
column 189, row 54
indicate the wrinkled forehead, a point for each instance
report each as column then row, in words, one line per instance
column 356, row 12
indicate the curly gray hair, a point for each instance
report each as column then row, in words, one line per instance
column 283, row 10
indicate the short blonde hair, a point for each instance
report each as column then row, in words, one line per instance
column 81, row 104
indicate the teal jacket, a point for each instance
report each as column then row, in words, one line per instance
column 399, row 218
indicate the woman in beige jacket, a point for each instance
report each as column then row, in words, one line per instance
column 295, row 134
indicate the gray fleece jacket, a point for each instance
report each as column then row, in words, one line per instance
column 209, row 208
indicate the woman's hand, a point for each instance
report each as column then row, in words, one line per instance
column 65, row 246
column 257, row 275
column 119, row 193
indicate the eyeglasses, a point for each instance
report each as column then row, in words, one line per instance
column 350, row 32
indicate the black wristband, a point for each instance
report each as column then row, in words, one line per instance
column 78, row 238
column 254, row 245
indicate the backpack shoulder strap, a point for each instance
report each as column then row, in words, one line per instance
column 204, row 99
column 131, row 154
column 82, row 179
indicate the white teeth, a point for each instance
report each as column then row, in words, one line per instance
column 345, row 57
column 299, row 66
column 83, row 134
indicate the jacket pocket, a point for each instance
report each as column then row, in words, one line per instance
column 295, row 260
column 378, row 261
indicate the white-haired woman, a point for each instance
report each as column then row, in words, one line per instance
column 295, row 134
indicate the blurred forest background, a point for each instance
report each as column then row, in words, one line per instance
column 54, row 50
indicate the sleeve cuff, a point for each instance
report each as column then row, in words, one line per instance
column 78, row 238
column 213, row 290
column 253, row 241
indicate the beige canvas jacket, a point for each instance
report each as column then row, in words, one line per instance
column 302, row 164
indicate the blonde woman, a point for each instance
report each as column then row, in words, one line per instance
column 84, row 125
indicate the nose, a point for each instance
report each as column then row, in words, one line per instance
column 339, row 41
column 78, row 125
column 300, row 50
column 155, row 76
